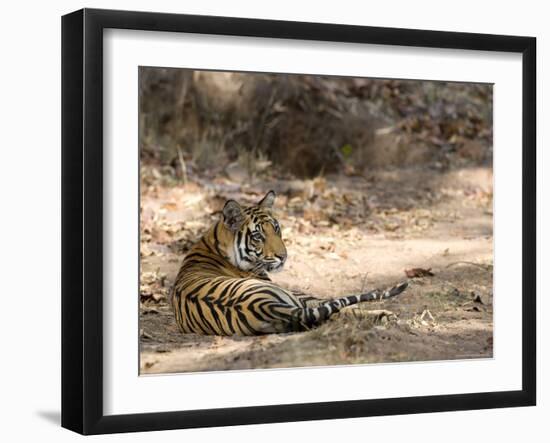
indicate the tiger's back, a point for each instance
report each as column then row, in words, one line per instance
column 229, row 301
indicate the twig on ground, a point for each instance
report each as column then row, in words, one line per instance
column 425, row 313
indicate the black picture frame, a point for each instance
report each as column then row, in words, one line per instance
column 82, row 219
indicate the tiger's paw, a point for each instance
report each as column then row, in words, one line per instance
column 378, row 316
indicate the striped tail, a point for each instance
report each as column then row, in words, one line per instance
column 312, row 317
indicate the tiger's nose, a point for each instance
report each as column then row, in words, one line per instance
column 281, row 257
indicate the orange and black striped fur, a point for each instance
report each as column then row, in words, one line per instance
column 222, row 287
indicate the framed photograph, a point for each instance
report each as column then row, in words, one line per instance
column 269, row 221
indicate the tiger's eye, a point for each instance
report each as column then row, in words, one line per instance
column 256, row 236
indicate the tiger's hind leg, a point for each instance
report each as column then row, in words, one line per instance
column 377, row 316
column 308, row 301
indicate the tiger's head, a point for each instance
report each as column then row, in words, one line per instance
column 252, row 236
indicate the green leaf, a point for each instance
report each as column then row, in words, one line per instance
column 346, row 150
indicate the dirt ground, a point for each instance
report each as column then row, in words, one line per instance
column 344, row 235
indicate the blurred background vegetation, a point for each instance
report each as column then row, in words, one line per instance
column 210, row 123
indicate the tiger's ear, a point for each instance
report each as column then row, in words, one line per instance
column 268, row 200
column 232, row 215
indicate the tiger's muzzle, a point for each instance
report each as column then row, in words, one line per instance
column 275, row 264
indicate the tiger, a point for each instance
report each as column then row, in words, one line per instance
column 223, row 287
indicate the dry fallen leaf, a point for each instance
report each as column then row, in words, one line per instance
column 169, row 206
column 477, row 298
column 473, row 309
column 418, row 272
column 145, row 335
column 154, row 297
